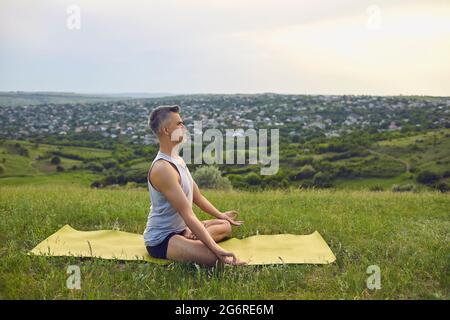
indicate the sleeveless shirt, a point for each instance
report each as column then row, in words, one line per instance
column 163, row 219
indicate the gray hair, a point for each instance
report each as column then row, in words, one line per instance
column 159, row 115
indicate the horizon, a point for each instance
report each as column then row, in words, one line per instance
column 174, row 94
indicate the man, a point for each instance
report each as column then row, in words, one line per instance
column 173, row 231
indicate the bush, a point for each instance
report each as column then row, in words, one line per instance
column 94, row 166
column 108, row 164
column 59, row 168
column 303, row 161
column 305, row 172
column 443, row 187
column 210, row 177
column 109, row 180
column 238, row 181
column 376, row 188
column 404, row 188
column 427, row 177
column 253, row 179
column 121, row 179
column 2, row 170
column 55, row 160
column 322, row 180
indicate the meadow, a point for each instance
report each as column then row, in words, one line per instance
column 405, row 234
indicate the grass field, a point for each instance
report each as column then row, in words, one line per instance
column 405, row 234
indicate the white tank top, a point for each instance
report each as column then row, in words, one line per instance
column 163, row 219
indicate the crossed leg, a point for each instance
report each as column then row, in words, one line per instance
column 183, row 249
column 217, row 228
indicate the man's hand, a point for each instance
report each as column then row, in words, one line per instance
column 228, row 257
column 230, row 216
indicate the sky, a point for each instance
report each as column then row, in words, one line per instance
column 388, row 47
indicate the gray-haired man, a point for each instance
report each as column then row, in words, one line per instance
column 173, row 231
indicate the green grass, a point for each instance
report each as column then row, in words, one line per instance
column 405, row 234
column 385, row 183
column 63, row 179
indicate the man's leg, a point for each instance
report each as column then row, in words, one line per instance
column 218, row 229
column 186, row 250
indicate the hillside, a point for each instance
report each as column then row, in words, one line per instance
column 341, row 164
column 21, row 98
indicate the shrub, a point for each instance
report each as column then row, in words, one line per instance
column 94, row 166
column 305, row 172
column 253, row 179
column 55, row 160
column 210, row 177
column 59, row 168
column 2, row 170
column 303, row 161
column 376, row 188
column 443, row 187
column 110, row 180
column 427, row 177
column 322, row 180
column 108, row 164
column 121, row 179
column 238, row 181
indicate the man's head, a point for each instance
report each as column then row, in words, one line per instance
column 166, row 123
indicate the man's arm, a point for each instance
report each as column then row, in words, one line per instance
column 204, row 204
column 165, row 179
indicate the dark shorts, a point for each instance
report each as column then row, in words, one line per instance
column 160, row 251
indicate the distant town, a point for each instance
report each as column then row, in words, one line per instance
column 297, row 116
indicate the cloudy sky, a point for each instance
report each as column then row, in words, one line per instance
column 226, row 46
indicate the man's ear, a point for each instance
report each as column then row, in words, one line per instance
column 165, row 131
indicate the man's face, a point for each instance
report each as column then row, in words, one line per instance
column 174, row 128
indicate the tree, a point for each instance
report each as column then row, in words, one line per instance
column 210, row 177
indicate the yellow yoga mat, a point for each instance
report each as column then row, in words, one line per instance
column 256, row 250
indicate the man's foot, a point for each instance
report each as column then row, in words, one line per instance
column 189, row 234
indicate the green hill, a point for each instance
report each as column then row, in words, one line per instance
column 20, row 98
column 382, row 164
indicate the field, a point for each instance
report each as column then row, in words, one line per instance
column 405, row 234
